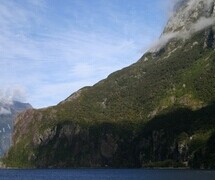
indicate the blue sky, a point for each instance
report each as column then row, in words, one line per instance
column 51, row 48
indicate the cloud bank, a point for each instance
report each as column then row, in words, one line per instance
column 4, row 111
column 201, row 24
column 181, row 13
column 9, row 95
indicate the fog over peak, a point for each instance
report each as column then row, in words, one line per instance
column 9, row 95
column 190, row 17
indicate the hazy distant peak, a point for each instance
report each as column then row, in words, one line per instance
column 14, row 106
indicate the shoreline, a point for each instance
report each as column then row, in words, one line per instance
column 104, row 168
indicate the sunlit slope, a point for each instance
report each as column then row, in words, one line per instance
column 127, row 119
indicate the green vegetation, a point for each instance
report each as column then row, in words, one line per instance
column 164, row 164
column 158, row 112
column 18, row 155
column 173, row 139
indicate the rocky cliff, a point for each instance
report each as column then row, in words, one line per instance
column 8, row 112
column 157, row 112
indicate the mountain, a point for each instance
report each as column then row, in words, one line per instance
column 8, row 112
column 158, row 112
column 189, row 14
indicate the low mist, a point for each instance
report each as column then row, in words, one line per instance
column 201, row 24
column 8, row 95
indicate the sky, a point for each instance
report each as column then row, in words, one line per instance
column 51, row 48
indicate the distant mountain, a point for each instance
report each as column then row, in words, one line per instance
column 158, row 112
column 8, row 112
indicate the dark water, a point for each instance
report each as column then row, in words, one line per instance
column 105, row 174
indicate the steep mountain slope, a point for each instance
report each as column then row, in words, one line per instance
column 8, row 112
column 156, row 112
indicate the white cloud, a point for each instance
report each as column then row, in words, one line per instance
column 4, row 111
column 164, row 39
column 12, row 93
column 201, row 24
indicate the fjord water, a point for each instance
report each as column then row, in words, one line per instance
column 105, row 174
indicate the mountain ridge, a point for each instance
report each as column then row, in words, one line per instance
column 125, row 120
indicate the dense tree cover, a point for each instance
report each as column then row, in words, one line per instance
column 158, row 110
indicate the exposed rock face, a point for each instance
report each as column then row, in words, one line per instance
column 44, row 139
column 8, row 112
column 191, row 16
column 21, row 125
column 188, row 13
column 108, row 146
